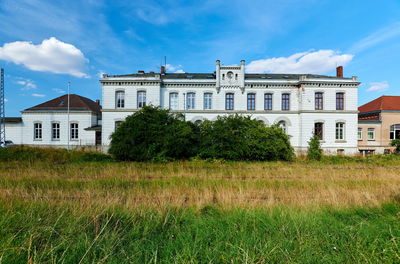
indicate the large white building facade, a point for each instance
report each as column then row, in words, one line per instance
column 302, row 104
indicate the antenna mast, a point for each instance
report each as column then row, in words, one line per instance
column 2, row 109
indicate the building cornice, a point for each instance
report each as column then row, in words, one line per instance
column 242, row 111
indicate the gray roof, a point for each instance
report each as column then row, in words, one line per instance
column 12, row 119
column 211, row 76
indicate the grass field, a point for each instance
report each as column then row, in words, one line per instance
column 336, row 211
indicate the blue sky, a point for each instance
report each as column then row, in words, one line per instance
column 45, row 44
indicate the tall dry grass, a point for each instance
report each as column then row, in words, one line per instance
column 198, row 183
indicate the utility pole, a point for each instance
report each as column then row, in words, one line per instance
column 68, row 125
column 2, row 110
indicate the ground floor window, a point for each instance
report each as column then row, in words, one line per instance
column 319, row 130
column 371, row 134
column 55, row 131
column 283, row 126
column 74, row 131
column 359, row 134
column 339, row 131
column 37, row 131
column 395, row 131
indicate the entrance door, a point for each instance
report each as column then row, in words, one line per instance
column 98, row 138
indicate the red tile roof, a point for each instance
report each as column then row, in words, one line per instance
column 382, row 103
column 76, row 103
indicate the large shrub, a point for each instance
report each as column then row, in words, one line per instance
column 314, row 149
column 396, row 143
column 238, row 137
column 154, row 134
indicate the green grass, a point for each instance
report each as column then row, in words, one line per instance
column 38, row 233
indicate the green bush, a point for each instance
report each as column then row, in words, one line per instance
column 154, row 134
column 314, row 151
column 396, row 143
column 238, row 137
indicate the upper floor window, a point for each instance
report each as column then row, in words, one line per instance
column 395, row 131
column 141, row 99
column 173, row 101
column 360, row 134
column 74, row 131
column 223, row 76
column 229, row 101
column 339, row 101
column 339, row 131
column 251, row 101
column 267, row 101
column 207, row 101
column 319, row 130
column 371, row 134
column 37, row 131
column 55, row 131
column 191, row 101
column 319, row 101
column 283, row 126
column 119, row 99
column 285, row 101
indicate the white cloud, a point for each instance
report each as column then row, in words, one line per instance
column 26, row 84
column 38, row 95
column 377, row 37
column 378, row 86
column 314, row 62
column 175, row 69
column 57, row 90
column 52, row 55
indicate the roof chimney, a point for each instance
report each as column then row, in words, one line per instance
column 162, row 69
column 339, row 71
column 141, row 72
column 98, row 101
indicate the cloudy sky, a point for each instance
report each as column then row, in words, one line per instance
column 45, row 44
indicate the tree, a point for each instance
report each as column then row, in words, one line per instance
column 238, row 137
column 314, row 149
column 396, row 143
column 154, row 134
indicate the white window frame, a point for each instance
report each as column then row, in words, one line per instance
column 55, row 131
column 74, row 131
column 207, row 105
column 340, row 131
column 360, row 133
column 173, row 101
column 119, row 99
column 190, row 101
column 371, row 129
column 141, row 99
column 37, row 131
column 283, row 125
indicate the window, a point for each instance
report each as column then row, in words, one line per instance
column 282, row 125
column 74, row 131
column 236, row 76
column 37, row 131
column 285, row 102
column 268, row 101
column 198, row 122
column 120, row 99
column 395, row 131
column 223, row 76
column 359, row 134
column 319, row 101
column 173, row 101
column 339, row 131
column 339, row 101
column 190, row 103
column 251, row 101
column 141, row 99
column 207, row 101
column 55, row 131
column 319, row 130
column 371, row 134
column 117, row 124
column 229, row 103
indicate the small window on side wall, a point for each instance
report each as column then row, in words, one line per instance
column 371, row 134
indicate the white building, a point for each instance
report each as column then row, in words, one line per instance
column 302, row 104
column 49, row 124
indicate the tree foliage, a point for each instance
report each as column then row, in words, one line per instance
column 314, row 149
column 154, row 134
column 238, row 137
column 396, row 143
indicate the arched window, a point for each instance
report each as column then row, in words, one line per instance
column 395, row 131
column 229, row 103
column 119, row 99
column 251, row 101
column 173, row 101
column 198, row 122
column 283, row 126
column 141, row 99
column 190, row 101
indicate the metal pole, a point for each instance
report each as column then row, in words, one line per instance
column 68, row 125
column 2, row 110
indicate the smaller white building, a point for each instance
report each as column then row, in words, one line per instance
column 49, row 124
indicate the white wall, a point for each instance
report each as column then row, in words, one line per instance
column 14, row 132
